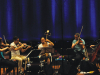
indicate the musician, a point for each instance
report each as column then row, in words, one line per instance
column 16, row 47
column 78, row 46
column 96, row 52
column 45, row 43
column 4, row 61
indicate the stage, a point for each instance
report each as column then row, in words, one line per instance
column 70, row 27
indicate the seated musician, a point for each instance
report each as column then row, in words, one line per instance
column 15, row 53
column 45, row 43
column 78, row 46
column 3, row 61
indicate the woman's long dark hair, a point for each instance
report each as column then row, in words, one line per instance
column 0, row 40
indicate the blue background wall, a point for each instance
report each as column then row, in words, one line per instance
column 29, row 19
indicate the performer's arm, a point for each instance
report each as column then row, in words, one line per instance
column 50, row 43
column 74, row 44
column 39, row 47
column 18, row 48
column 23, row 50
column 92, row 46
column 82, row 44
column 5, row 44
column 7, row 51
column 3, row 49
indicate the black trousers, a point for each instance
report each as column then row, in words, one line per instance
column 78, row 57
column 10, row 64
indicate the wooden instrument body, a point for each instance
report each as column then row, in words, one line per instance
column 95, row 53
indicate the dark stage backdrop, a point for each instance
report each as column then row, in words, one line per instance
column 29, row 19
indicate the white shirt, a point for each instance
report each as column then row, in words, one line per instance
column 13, row 52
column 41, row 46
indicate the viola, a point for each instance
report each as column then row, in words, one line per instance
column 80, row 41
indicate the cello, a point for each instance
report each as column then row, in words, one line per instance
column 47, row 34
column 95, row 53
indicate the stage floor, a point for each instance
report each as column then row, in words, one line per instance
column 35, row 70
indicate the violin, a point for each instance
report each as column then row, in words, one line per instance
column 25, row 45
column 2, row 45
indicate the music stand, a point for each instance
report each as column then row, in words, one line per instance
column 47, row 50
column 33, row 53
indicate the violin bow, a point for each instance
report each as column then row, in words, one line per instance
column 81, row 30
column 4, row 39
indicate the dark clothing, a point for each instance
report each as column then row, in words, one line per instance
column 77, row 56
column 1, row 55
column 7, row 63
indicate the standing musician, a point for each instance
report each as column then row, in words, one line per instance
column 16, row 47
column 4, row 61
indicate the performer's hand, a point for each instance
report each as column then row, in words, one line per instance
column 29, row 47
column 12, row 47
column 81, row 43
column 47, row 40
column 7, row 47
column 19, row 44
column 22, row 45
column 77, row 42
column 92, row 46
column 7, row 44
